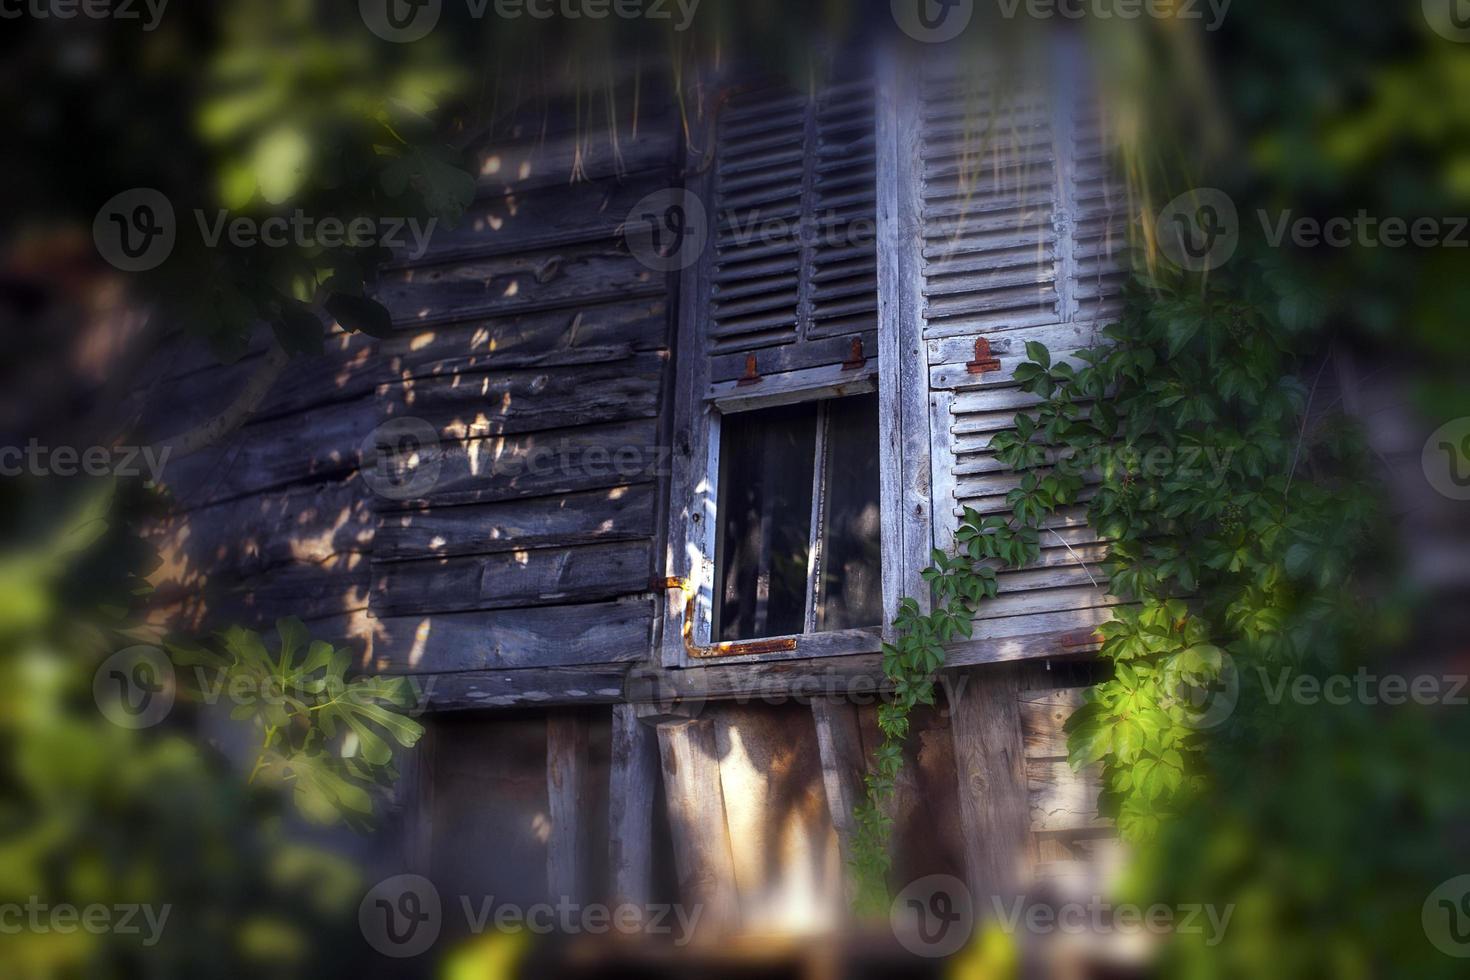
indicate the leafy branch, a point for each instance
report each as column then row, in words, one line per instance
column 328, row 737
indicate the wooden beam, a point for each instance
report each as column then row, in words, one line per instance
column 702, row 852
column 840, row 745
column 567, row 803
column 904, row 461
column 632, row 783
column 414, row 805
column 990, row 764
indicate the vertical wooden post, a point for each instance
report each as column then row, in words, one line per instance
column 566, row 774
column 840, row 744
column 696, row 801
column 632, row 783
column 990, row 764
column 414, row 804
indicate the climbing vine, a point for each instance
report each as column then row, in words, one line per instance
column 1186, row 433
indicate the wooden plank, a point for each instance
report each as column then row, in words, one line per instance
column 1060, row 800
column 312, row 445
column 594, row 516
column 547, row 576
column 523, row 281
column 794, row 357
column 535, row 636
column 414, row 798
column 990, row 768
column 349, row 368
column 471, row 404
column 559, row 159
column 1043, row 634
column 309, row 591
column 539, row 687
column 1044, row 717
column 632, row 786
column 689, row 553
column 567, row 799
column 545, row 464
column 696, row 803
column 309, row 523
column 580, row 335
column 549, row 217
column 785, row 389
column 844, row 764
column 905, row 464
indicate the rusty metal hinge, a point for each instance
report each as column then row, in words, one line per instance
column 751, row 376
column 855, row 359
column 984, row 361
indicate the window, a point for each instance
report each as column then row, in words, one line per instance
column 797, row 542
column 778, row 530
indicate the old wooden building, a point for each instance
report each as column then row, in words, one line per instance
column 667, row 427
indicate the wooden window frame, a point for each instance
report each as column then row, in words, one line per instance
column 900, row 378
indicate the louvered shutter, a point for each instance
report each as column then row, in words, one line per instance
column 793, row 281
column 1022, row 239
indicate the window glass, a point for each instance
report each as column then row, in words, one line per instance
column 849, row 576
column 765, row 516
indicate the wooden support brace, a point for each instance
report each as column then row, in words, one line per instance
column 840, row 744
column 990, row 764
column 632, row 785
column 702, row 852
column 566, row 776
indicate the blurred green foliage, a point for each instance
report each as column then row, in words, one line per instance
column 327, row 737
column 92, row 813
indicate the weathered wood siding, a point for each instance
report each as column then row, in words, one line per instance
column 536, row 348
